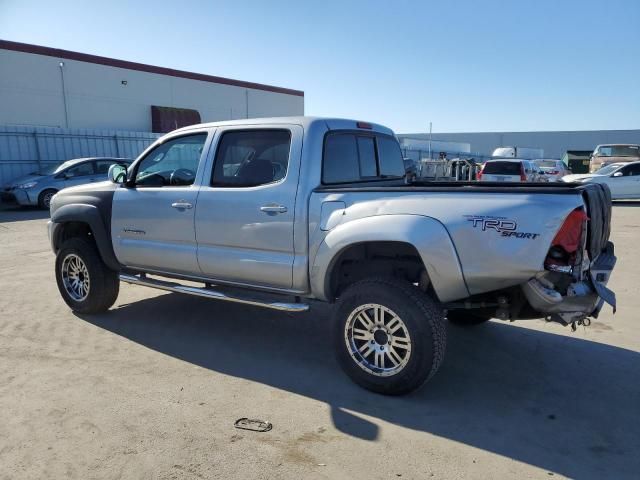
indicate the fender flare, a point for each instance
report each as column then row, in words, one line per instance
column 429, row 237
column 90, row 215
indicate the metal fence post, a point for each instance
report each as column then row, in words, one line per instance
column 115, row 137
column 38, row 158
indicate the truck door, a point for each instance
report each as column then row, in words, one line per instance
column 245, row 212
column 152, row 219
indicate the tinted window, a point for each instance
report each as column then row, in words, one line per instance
column 367, row 156
column 102, row 166
column 390, row 157
column 340, row 159
column 173, row 163
column 351, row 157
column 630, row 170
column 248, row 158
column 80, row 170
column 502, row 168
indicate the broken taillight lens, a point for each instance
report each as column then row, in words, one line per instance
column 567, row 241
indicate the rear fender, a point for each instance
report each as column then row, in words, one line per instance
column 427, row 235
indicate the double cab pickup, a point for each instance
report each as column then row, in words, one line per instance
column 281, row 212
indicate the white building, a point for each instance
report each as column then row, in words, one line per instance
column 554, row 144
column 41, row 86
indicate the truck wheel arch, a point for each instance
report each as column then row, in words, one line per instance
column 82, row 220
column 424, row 236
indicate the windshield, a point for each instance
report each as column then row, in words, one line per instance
column 609, row 169
column 547, row 163
column 53, row 169
column 618, row 151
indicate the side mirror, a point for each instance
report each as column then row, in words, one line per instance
column 117, row 173
column 617, row 174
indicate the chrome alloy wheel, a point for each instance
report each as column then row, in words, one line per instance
column 377, row 339
column 75, row 277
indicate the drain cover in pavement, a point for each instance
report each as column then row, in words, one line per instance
column 252, row 424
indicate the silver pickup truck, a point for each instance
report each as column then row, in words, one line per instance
column 279, row 212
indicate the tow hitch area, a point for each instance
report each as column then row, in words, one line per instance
column 573, row 303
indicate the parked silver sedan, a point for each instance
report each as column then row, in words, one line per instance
column 37, row 188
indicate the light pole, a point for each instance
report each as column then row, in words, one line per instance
column 64, row 95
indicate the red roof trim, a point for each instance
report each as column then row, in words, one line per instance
column 112, row 62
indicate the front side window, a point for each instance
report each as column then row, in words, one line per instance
column 630, row 170
column 173, row 163
column 102, row 166
column 248, row 158
column 81, row 170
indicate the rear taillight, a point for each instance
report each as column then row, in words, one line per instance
column 523, row 176
column 567, row 241
column 553, row 172
column 479, row 174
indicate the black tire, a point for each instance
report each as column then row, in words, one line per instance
column 423, row 319
column 468, row 318
column 44, row 199
column 104, row 282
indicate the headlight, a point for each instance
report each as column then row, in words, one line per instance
column 27, row 185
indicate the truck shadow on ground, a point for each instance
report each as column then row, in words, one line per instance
column 626, row 203
column 560, row 403
column 14, row 213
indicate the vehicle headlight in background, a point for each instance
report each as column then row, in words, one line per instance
column 27, row 185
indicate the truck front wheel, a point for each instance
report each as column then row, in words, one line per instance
column 389, row 336
column 86, row 284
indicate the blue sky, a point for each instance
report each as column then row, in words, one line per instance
column 464, row 65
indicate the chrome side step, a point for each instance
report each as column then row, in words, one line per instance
column 209, row 293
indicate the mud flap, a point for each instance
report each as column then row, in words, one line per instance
column 600, row 274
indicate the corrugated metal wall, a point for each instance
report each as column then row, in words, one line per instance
column 26, row 149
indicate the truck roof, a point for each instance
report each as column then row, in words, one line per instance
column 304, row 121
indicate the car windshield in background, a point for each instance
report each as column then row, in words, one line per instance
column 547, row 164
column 48, row 170
column 618, row 151
column 502, row 168
column 609, row 169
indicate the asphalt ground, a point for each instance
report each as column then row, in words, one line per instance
column 152, row 388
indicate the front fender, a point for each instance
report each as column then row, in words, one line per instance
column 427, row 235
column 89, row 214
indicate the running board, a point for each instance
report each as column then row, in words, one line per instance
column 209, row 293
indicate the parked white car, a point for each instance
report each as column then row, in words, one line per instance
column 510, row 170
column 623, row 179
column 553, row 170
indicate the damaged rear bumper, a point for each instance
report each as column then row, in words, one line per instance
column 582, row 299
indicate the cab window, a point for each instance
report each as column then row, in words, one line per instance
column 354, row 157
column 172, row 163
column 249, row 158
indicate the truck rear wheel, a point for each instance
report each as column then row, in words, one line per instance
column 86, row 284
column 389, row 336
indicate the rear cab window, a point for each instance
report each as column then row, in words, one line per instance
column 359, row 157
column 502, row 168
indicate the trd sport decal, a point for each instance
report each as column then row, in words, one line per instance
column 502, row 225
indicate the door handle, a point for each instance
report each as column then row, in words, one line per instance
column 273, row 209
column 182, row 205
